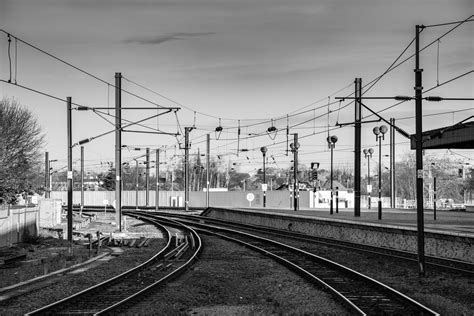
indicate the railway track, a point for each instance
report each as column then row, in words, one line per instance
column 360, row 294
column 109, row 296
column 464, row 268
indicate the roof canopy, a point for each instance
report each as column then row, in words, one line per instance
column 458, row 136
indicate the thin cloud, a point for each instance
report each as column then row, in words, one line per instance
column 155, row 40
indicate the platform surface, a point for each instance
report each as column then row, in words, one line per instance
column 455, row 222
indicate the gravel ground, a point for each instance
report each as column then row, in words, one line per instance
column 232, row 280
column 447, row 293
column 70, row 283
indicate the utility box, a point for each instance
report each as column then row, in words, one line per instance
column 50, row 212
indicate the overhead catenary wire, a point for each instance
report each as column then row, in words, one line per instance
column 304, row 136
column 428, row 90
column 64, row 100
column 436, row 114
column 313, row 109
column 469, row 19
column 372, row 83
column 77, row 68
column 261, row 121
column 431, row 43
column 426, row 46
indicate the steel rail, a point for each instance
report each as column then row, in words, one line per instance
column 196, row 243
column 382, row 294
column 445, row 264
column 63, row 303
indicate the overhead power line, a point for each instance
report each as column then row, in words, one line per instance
column 77, row 68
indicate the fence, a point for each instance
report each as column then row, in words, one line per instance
column 16, row 223
column 276, row 199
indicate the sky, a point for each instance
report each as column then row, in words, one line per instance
column 248, row 63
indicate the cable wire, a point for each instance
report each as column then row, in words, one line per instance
column 78, row 69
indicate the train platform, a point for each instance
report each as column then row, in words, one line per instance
column 448, row 222
column 451, row 235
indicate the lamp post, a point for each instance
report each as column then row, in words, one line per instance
column 368, row 154
column 264, row 152
column 331, row 143
column 294, row 149
column 379, row 132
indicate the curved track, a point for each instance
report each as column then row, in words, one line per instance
column 464, row 268
column 113, row 294
column 360, row 294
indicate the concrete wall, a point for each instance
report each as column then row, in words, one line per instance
column 443, row 245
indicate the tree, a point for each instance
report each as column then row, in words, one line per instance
column 469, row 184
column 20, row 146
column 107, row 179
column 446, row 171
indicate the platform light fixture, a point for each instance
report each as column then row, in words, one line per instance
column 331, row 143
column 379, row 132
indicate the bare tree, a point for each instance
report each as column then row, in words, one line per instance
column 20, row 145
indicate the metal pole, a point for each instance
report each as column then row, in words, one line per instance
column 392, row 164
column 186, row 168
column 296, row 192
column 208, row 153
column 157, row 171
column 337, row 199
column 264, row 182
column 290, row 183
column 82, row 180
column 380, row 178
column 136, row 184
column 330, row 205
column 147, row 178
column 434, row 197
column 357, row 146
column 47, row 193
column 369, row 202
column 118, row 149
column 69, row 173
column 419, row 154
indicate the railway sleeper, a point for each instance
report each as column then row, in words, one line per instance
column 182, row 251
column 157, row 267
column 142, row 242
column 172, row 252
